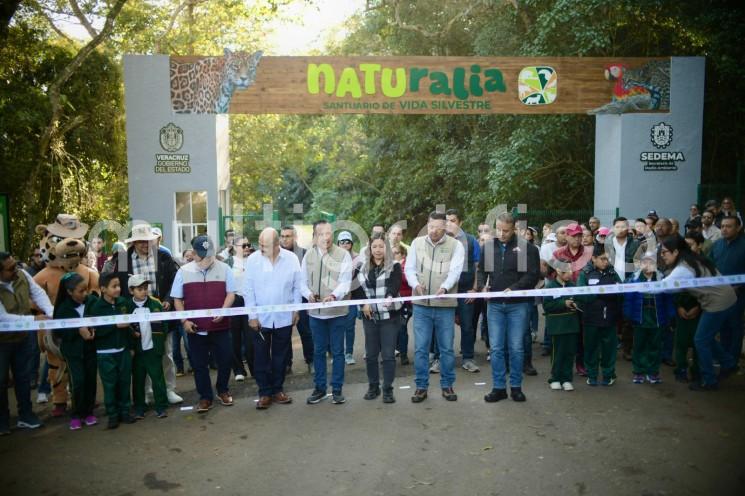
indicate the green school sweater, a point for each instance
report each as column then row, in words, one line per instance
column 159, row 328
column 559, row 319
column 72, row 343
column 110, row 336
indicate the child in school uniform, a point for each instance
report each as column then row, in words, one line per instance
column 149, row 347
column 77, row 348
column 113, row 352
column 562, row 321
column 649, row 313
column 600, row 316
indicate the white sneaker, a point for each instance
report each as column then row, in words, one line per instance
column 349, row 359
column 555, row 386
column 42, row 398
column 240, row 378
column 471, row 366
column 435, row 367
column 396, row 353
column 149, row 399
column 173, row 398
column 488, row 357
column 567, row 386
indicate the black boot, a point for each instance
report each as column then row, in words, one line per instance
column 388, row 395
column 404, row 359
column 372, row 392
column 528, row 368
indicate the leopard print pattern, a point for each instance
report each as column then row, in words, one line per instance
column 206, row 86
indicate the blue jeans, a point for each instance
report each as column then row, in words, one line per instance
column 507, row 325
column 178, row 358
column 351, row 321
column 328, row 333
column 707, row 346
column 731, row 337
column 16, row 357
column 219, row 343
column 442, row 321
column 467, row 329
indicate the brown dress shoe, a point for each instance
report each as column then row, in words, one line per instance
column 264, row 402
column 204, row 406
column 225, row 399
column 281, row 398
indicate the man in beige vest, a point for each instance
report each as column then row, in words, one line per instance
column 18, row 292
column 433, row 267
column 326, row 275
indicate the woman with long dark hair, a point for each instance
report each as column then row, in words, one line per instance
column 379, row 276
column 718, row 305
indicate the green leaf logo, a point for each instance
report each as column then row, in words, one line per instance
column 537, row 85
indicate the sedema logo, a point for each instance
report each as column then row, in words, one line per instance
column 537, row 85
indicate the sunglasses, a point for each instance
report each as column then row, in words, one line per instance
column 246, row 245
column 345, row 241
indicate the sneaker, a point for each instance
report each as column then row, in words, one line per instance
column 703, row 388
column 592, row 382
column 638, row 379
column 180, row 373
column 240, row 378
column 349, row 359
column 419, row 396
column 139, row 414
column 471, row 366
column 337, row 398
column 435, row 367
column 405, row 360
column 75, row 424
column 204, row 406
column 42, row 398
column 555, row 386
column 654, row 379
column 91, row 420
column 149, row 398
column 373, row 391
column 126, row 418
column 29, row 421
column 528, row 369
column 495, row 395
column 113, row 422
column 59, row 410
column 608, row 381
column 225, row 399
column 581, row 371
column 488, row 357
column 173, row 398
column 396, row 353
column 316, row 396
column 161, row 414
column 449, row 394
column 567, row 386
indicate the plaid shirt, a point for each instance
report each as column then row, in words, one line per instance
column 146, row 266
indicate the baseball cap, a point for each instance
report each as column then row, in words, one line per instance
column 136, row 280
column 574, row 229
column 603, row 231
column 157, row 231
column 652, row 214
column 203, row 246
column 344, row 236
column 649, row 255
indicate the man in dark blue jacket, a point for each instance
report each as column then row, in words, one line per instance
column 728, row 254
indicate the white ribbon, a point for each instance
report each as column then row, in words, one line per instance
column 644, row 287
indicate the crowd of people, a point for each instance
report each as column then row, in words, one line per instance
column 698, row 331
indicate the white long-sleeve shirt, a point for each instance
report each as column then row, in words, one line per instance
column 344, row 283
column 38, row 296
column 267, row 283
column 456, row 264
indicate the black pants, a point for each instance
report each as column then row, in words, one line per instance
column 271, row 347
column 380, row 340
column 243, row 348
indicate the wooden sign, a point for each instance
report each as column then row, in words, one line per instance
column 248, row 83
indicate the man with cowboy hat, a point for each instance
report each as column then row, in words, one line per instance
column 144, row 258
column 62, row 247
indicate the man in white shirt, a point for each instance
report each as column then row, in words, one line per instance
column 710, row 231
column 433, row 267
column 271, row 277
column 326, row 275
column 17, row 292
column 621, row 251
